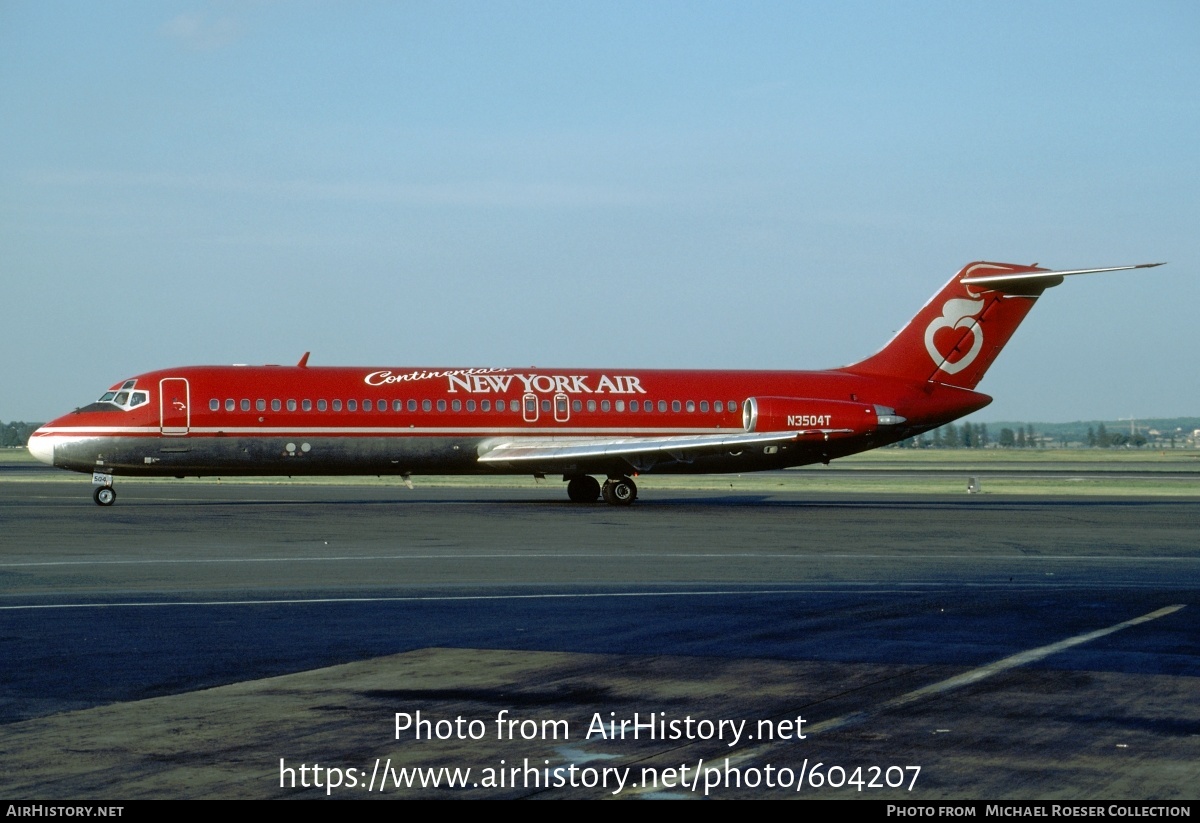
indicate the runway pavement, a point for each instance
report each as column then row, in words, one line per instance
column 185, row 640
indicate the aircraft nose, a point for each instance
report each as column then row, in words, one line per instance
column 41, row 446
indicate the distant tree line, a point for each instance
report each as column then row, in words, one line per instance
column 964, row 436
column 1102, row 438
column 16, row 434
column 969, row 435
column 1022, row 438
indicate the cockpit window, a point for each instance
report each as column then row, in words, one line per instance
column 125, row 397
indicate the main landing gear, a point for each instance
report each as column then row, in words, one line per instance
column 617, row 491
column 583, row 489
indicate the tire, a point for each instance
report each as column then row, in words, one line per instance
column 620, row 491
column 104, row 495
column 583, row 489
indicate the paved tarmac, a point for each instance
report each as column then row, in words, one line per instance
column 185, row 640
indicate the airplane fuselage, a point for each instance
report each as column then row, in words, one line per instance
column 297, row 420
column 276, row 420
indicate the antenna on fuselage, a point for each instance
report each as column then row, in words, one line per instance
column 303, row 364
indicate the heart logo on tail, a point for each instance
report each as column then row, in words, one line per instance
column 956, row 314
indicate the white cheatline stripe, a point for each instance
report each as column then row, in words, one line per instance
column 415, row 599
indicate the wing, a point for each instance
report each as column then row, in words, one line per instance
column 548, row 452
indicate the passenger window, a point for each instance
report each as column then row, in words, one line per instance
column 703, row 405
column 633, row 405
column 514, row 405
column 260, row 404
column 456, row 405
column 675, row 406
column 245, row 404
column 576, row 405
column 228, row 403
column 545, row 405
column 351, row 405
column 214, row 404
column 620, row 405
column 275, row 405
column 426, row 405
column 397, row 405
column 718, row 407
column 605, row 405
column 470, row 405
column 366, row 405
column 591, row 405
column 731, row 405
column 291, row 405
column 441, row 405
column 321, row 405
column 337, row 405
column 485, row 405
column 306, row 405
column 691, row 405
column 662, row 405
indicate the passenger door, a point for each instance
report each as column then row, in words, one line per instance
column 174, row 406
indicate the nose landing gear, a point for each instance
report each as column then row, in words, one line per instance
column 102, row 488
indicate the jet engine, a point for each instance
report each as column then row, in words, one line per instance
column 835, row 417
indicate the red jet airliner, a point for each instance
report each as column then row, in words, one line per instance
column 301, row 420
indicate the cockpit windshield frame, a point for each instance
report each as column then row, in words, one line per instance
column 126, row 397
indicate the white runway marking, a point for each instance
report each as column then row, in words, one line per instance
column 984, row 672
column 353, row 558
column 956, row 682
column 908, row 588
column 757, row 752
column 445, row 598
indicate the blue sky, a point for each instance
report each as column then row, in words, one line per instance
column 708, row 185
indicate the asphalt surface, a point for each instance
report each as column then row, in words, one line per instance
column 1072, row 621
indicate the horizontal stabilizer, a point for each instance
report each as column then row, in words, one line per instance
column 1044, row 279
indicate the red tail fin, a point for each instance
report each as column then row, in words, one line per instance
column 955, row 337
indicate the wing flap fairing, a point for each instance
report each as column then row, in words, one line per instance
column 551, row 449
